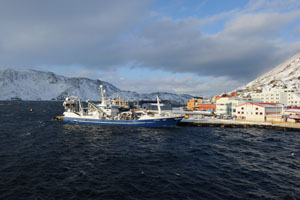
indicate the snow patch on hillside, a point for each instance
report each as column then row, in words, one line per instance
column 38, row 85
column 285, row 75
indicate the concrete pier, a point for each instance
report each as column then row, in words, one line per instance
column 241, row 124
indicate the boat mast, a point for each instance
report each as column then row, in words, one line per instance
column 102, row 92
column 158, row 105
column 80, row 106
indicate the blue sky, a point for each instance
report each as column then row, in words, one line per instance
column 202, row 47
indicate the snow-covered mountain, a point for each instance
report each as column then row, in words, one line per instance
column 285, row 75
column 38, row 85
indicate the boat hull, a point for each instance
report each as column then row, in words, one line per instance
column 163, row 122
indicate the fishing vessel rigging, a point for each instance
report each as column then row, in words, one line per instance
column 106, row 113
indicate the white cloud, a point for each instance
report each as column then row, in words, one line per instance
column 104, row 35
column 249, row 44
column 259, row 24
column 186, row 83
column 65, row 32
column 272, row 5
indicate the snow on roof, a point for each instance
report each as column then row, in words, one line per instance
column 269, row 105
column 293, row 110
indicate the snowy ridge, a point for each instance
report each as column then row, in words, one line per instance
column 285, row 75
column 38, row 85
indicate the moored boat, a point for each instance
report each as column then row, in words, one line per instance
column 106, row 113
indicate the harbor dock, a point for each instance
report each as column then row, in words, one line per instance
column 286, row 126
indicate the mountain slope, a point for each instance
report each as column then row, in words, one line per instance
column 33, row 85
column 285, row 75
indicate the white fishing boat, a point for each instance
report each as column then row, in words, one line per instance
column 106, row 113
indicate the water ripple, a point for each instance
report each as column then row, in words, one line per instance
column 45, row 159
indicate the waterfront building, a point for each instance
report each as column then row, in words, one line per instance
column 192, row 103
column 288, row 97
column 292, row 114
column 225, row 106
column 259, row 111
column 205, row 107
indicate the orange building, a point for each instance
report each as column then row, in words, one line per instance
column 216, row 98
column 192, row 103
column 197, row 104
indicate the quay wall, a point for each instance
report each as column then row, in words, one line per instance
column 286, row 126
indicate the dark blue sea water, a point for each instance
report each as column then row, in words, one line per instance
column 44, row 159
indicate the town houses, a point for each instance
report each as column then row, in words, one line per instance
column 278, row 105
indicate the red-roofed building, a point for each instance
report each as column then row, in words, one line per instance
column 259, row 111
column 205, row 107
column 233, row 94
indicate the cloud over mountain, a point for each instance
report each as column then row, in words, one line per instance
column 106, row 35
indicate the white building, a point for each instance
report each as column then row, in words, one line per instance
column 259, row 111
column 226, row 105
column 288, row 97
column 292, row 114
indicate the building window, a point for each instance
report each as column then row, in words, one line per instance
column 242, row 108
column 256, row 108
column 242, row 113
column 256, row 113
column 260, row 113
